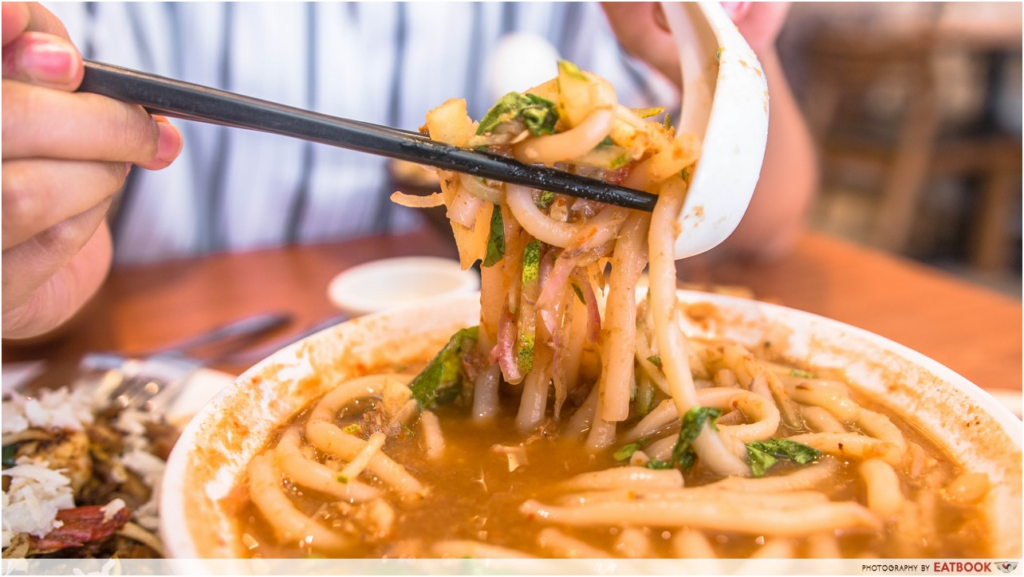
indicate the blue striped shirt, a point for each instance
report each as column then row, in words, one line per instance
column 386, row 63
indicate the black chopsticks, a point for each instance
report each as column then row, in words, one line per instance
column 193, row 102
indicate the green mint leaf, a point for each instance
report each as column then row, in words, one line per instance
column 442, row 378
column 539, row 115
column 625, row 452
column 693, row 421
column 606, row 142
column 496, row 239
column 763, row 455
column 656, row 464
column 760, row 460
column 654, row 360
column 796, row 452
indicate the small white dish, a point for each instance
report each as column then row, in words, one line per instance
column 385, row 284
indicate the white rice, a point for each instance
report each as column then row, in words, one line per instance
column 60, row 409
column 112, row 508
column 139, row 460
column 37, row 492
column 35, row 495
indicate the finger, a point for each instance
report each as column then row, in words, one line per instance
column 39, row 122
column 19, row 17
column 29, row 265
column 15, row 18
column 44, row 60
column 39, row 193
column 62, row 294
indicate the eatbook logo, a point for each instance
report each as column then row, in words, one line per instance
column 1007, row 566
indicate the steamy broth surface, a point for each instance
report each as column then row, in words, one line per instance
column 476, row 491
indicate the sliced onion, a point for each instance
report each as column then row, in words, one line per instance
column 567, row 145
column 480, row 190
column 464, row 208
column 504, row 350
column 417, row 201
column 591, row 233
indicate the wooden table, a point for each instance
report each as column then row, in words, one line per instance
column 972, row 330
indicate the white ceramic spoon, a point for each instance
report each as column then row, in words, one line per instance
column 725, row 101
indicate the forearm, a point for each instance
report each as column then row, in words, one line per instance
column 788, row 179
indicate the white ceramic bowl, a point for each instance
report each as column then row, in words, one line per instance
column 396, row 282
column 215, row 448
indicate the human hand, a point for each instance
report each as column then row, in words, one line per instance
column 643, row 31
column 64, row 156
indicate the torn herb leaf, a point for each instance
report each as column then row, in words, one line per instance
column 441, row 380
column 685, row 173
column 606, row 142
column 802, row 374
column 683, row 454
column 667, row 121
column 353, row 429
column 537, row 114
column 718, row 53
column 343, row 479
column 496, row 239
column 407, row 431
column 656, row 464
column 654, row 360
column 764, row 455
column 545, row 200
column 760, row 461
column 625, row 452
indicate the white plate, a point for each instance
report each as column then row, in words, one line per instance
column 213, row 451
column 395, row 282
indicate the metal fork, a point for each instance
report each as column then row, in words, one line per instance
column 152, row 380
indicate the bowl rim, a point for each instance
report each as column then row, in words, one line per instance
column 178, row 541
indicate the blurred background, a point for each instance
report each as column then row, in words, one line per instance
column 916, row 110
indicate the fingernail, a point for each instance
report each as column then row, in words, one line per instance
column 49, row 61
column 169, row 144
